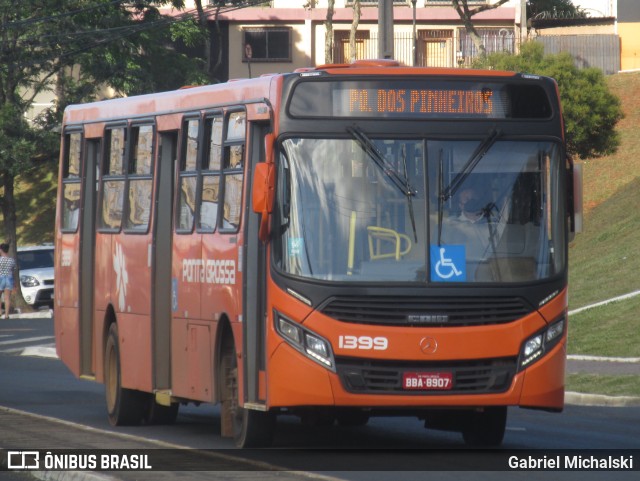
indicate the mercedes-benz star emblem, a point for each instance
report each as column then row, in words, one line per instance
column 428, row 345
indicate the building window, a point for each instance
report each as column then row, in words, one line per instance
column 341, row 45
column 266, row 44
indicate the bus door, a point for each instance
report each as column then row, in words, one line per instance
column 87, row 253
column 124, row 243
column 70, row 328
column 161, row 263
column 255, row 268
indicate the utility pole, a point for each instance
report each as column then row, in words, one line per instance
column 414, row 39
column 385, row 29
column 523, row 21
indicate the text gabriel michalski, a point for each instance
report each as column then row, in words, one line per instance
column 570, row 462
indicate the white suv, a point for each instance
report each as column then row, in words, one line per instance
column 36, row 274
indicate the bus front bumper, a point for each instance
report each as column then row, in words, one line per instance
column 295, row 380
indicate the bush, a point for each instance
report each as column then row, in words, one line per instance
column 590, row 110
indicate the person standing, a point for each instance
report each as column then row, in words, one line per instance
column 7, row 267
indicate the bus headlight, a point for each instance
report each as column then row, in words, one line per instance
column 539, row 344
column 305, row 341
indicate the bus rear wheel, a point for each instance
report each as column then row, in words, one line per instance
column 125, row 407
column 251, row 429
column 486, row 428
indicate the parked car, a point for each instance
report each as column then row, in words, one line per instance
column 36, row 274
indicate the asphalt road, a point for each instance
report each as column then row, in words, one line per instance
column 386, row 448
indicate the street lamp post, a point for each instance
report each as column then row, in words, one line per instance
column 415, row 50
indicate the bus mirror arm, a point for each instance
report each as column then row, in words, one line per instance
column 262, row 195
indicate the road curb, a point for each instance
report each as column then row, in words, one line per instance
column 43, row 314
column 589, row 358
column 70, row 476
column 600, row 400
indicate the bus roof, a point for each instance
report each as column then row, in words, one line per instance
column 243, row 91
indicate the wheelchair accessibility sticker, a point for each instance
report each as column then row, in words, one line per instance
column 448, row 263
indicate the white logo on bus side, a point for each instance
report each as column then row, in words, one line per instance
column 66, row 258
column 209, row 271
column 363, row 342
column 122, row 276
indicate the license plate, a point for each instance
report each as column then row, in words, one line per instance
column 427, row 381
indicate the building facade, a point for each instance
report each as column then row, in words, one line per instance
column 284, row 35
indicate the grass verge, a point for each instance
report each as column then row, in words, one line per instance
column 626, row 385
column 609, row 330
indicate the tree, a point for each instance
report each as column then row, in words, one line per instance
column 590, row 110
column 328, row 27
column 72, row 47
column 465, row 13
column 554, row 9
column 354, row 29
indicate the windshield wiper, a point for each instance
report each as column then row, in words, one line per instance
column 471, row 163
column 387, row 169
column 402, row 185
column 410, row 192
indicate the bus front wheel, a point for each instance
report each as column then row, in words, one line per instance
column 249, row 428
column 125, row 407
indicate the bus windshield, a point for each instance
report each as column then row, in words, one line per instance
column 417, row 210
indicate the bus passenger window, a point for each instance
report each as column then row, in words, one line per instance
column 140, row 178
column 232, row 201
column 209, row 202
column 71, row 182
column 115, row 156
column 142, row 150
column 113, row 179
column 232, row 174
column 187, row 201
column 235, row 154
column 214, row 136
column 139, row 204
column 236, row 127
column 188, row 176
column 112, row 197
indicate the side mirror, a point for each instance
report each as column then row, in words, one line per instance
column 577, row 198
column 263, row 189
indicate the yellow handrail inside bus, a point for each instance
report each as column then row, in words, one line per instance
column 352, row 242
column 382, row 234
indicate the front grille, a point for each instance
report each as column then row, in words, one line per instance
column 421, row 311
column 385, row 377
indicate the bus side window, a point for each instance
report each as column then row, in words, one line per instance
column 234, row 151
column 113, row 179
column 71, row 181
column 211, row 172
column 188, row 175
column 140, row 178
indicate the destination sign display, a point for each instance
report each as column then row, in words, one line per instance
column 413, row 99
column 470, row 102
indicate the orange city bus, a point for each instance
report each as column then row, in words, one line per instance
column 335, row 243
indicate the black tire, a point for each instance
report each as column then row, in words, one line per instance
column 157, row 414
column 125, row 407
column 486, row 428
column 251, row 429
